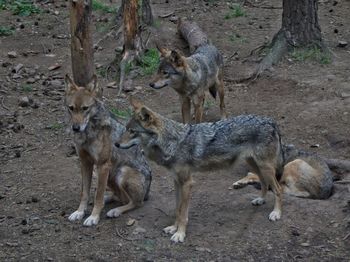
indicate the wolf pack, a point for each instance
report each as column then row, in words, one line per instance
column 119, row 153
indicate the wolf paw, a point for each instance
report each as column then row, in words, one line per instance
column 178, row 237
column 170, row 229
column 275, row 215
column 238, row 185
column 91, row 221
column 76, row 215
column 115, row 212
column 258, row 201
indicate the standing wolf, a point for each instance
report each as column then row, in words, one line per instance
column 183, row 149
column 95, row 131
column 192, row 76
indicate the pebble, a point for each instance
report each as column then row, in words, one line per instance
column 56, row 83
column 17, row 68
column 139, row 230
column 130, row 222
column 12, row 54
column 24, row 101
column 31, row 80
column 342, row 43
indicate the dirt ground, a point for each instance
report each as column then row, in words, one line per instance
column 40, row 178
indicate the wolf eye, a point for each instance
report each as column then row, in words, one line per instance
column 71, row 108
column 85, row 108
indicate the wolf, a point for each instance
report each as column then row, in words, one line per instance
column 305, row 175
column 184, row 148
column 191, row 77
column 126, row 173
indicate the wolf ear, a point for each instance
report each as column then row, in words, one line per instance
column 70, row 85
column 136, row 104
column 177, row 58
column 93, row 86
column 146, row 115
column 164, row 52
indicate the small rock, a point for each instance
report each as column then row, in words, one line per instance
column 345, row 94
column 56, row 12
column 130, row 222
column 16, row 76
column 203, row 249
column 306, row 244
column 30, row 80
column 112, row 84
column 139, row 230
column 173, row 19
column 35, row 199
column 25, row 101
column 56, row 83
column 342, row 43
column 54, row 67
column 12, row 244
column 139, row 88
column 17, row 68
column 12, row 54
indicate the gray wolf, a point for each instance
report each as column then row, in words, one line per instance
column 184, row 148
column 191, row 77
column 126, row 173
column 304, row 175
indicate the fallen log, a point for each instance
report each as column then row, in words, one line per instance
column 192, row 33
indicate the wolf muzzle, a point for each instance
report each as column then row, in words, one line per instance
column 131, row 143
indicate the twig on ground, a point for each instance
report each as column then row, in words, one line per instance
column 166, row 15
column 3, row 105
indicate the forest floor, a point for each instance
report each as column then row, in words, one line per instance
column 307, row 94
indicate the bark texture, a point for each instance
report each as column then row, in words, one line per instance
column 82, row 52
column 300, row 22
column 192, row 33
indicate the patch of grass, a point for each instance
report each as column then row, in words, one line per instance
column 311, row 53
column 150, row 61
column 102, row 71
column 121, row 113
column 6, row 31
column 27, row 88
column 236, row 38
column 156, row 23
column 102, row 27
column 20, row 7
column 208, row 104
column 55, row 126
column 99, row 6
column 235, row 11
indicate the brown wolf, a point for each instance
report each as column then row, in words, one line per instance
column 191, row 77
column 95, row 131
column 183, row 149
column 305, row 175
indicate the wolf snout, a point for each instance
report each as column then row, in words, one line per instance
column 76, row 127
column 117, row 144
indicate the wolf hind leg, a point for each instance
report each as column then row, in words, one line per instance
column 130, row 186
column 220, row 87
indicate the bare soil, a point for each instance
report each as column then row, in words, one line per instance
column 40, row 177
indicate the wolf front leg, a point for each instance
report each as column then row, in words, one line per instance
column 103, row 172
column 86, row 175
column 186, row 109
column 183, row 186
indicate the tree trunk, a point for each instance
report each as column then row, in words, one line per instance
column 132, row 38
column 300, row 23
column 147, row 15
column 300, row 28
column 192, row 33
column 82, row 52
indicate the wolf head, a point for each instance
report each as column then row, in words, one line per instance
column 143, row 128
column 81, row 102
column 171, row 70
